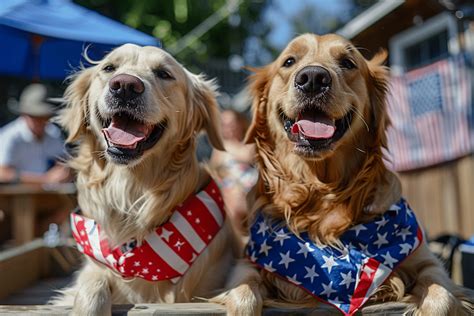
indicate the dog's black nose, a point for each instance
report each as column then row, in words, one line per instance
column 126, row 86
column 313, row 79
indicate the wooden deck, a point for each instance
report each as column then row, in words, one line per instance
column 197, row 309
column 25, row 286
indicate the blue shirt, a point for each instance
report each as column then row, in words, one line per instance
column 20, row 149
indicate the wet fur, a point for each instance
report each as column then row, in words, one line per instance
column 130, row 201
column 343, row 186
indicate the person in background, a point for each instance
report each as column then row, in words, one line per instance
column 31, row 146
column 234, row 167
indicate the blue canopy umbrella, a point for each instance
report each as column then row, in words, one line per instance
column 44, row 39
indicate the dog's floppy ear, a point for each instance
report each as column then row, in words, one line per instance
column 378, row 87
column 205, row 102
column 74, row 118
column 258, row 89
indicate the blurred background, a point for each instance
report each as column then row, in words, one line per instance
column 431, row 139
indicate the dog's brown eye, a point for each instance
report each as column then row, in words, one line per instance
column 163, row 74
column 289, row 62
column 347, row 63
column 109, row 68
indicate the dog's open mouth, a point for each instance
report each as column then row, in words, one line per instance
column 314, row 130
column 127, row 137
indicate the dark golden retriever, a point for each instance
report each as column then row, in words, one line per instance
column 319, row 120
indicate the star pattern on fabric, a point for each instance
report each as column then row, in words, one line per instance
column 367, row 254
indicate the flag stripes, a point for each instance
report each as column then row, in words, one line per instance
column 166, row 253
column 431, row 111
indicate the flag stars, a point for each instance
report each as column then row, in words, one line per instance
column 347, row 279
column 405, row 248
column 286, row 259
column 145, row 271
column 136, row 263
column 165, row 234
column 189, row 213
column 404, row 233
column 305, row 248
column 154, row 278
column 381, row 240
column 310, row 273
column 293, row 279
column 381, row 223
column 179, row 244
column 329, row 263
column 327, row 289
column 262, row 228
column 358, row 229
column 281, row 236
column 197, row 221
column 389, row 260
column 264, row 248
column 269, row 266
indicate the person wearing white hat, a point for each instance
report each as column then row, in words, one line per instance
column 30, row 145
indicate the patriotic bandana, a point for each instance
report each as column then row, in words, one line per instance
column 345, row 277
column 169, row 251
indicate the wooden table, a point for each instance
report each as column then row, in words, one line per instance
column 23, row 201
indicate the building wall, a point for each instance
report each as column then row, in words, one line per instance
column 443, row 197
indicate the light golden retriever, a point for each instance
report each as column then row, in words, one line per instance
column 319, row 120
column 135, row 116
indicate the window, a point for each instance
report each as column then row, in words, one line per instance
column 421, row 45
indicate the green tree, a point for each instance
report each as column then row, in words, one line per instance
column 171, row 20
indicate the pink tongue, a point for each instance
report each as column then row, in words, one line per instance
column 121, row 137
column 125, row 133
column 315, row 126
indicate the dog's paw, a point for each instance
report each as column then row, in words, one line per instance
column 438, row 301
column 243, row 300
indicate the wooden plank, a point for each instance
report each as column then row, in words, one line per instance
column 21, row 267
column 23, row 218
column 197, row 309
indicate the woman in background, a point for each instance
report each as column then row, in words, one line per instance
column 235, row 171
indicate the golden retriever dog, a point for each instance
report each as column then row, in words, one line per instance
column 319, row 120
column 135, row 115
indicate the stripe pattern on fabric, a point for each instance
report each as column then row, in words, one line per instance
column 169, row 251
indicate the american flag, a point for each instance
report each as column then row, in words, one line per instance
column 344, row 277
column 169, row 251
column 432, row 114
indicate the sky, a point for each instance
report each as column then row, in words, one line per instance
column 278, row 14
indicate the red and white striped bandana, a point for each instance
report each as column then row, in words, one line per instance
column 169, row 251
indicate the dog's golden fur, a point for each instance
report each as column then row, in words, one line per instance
column 327, row 192
column 129, row 201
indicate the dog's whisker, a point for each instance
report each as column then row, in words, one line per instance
column 356, row 111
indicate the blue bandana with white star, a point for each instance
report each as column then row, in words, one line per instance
column 344, row 277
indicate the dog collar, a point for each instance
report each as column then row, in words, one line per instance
column 166, row 253
column 344, row 277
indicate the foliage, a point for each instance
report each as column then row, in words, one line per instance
column 172, row 19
